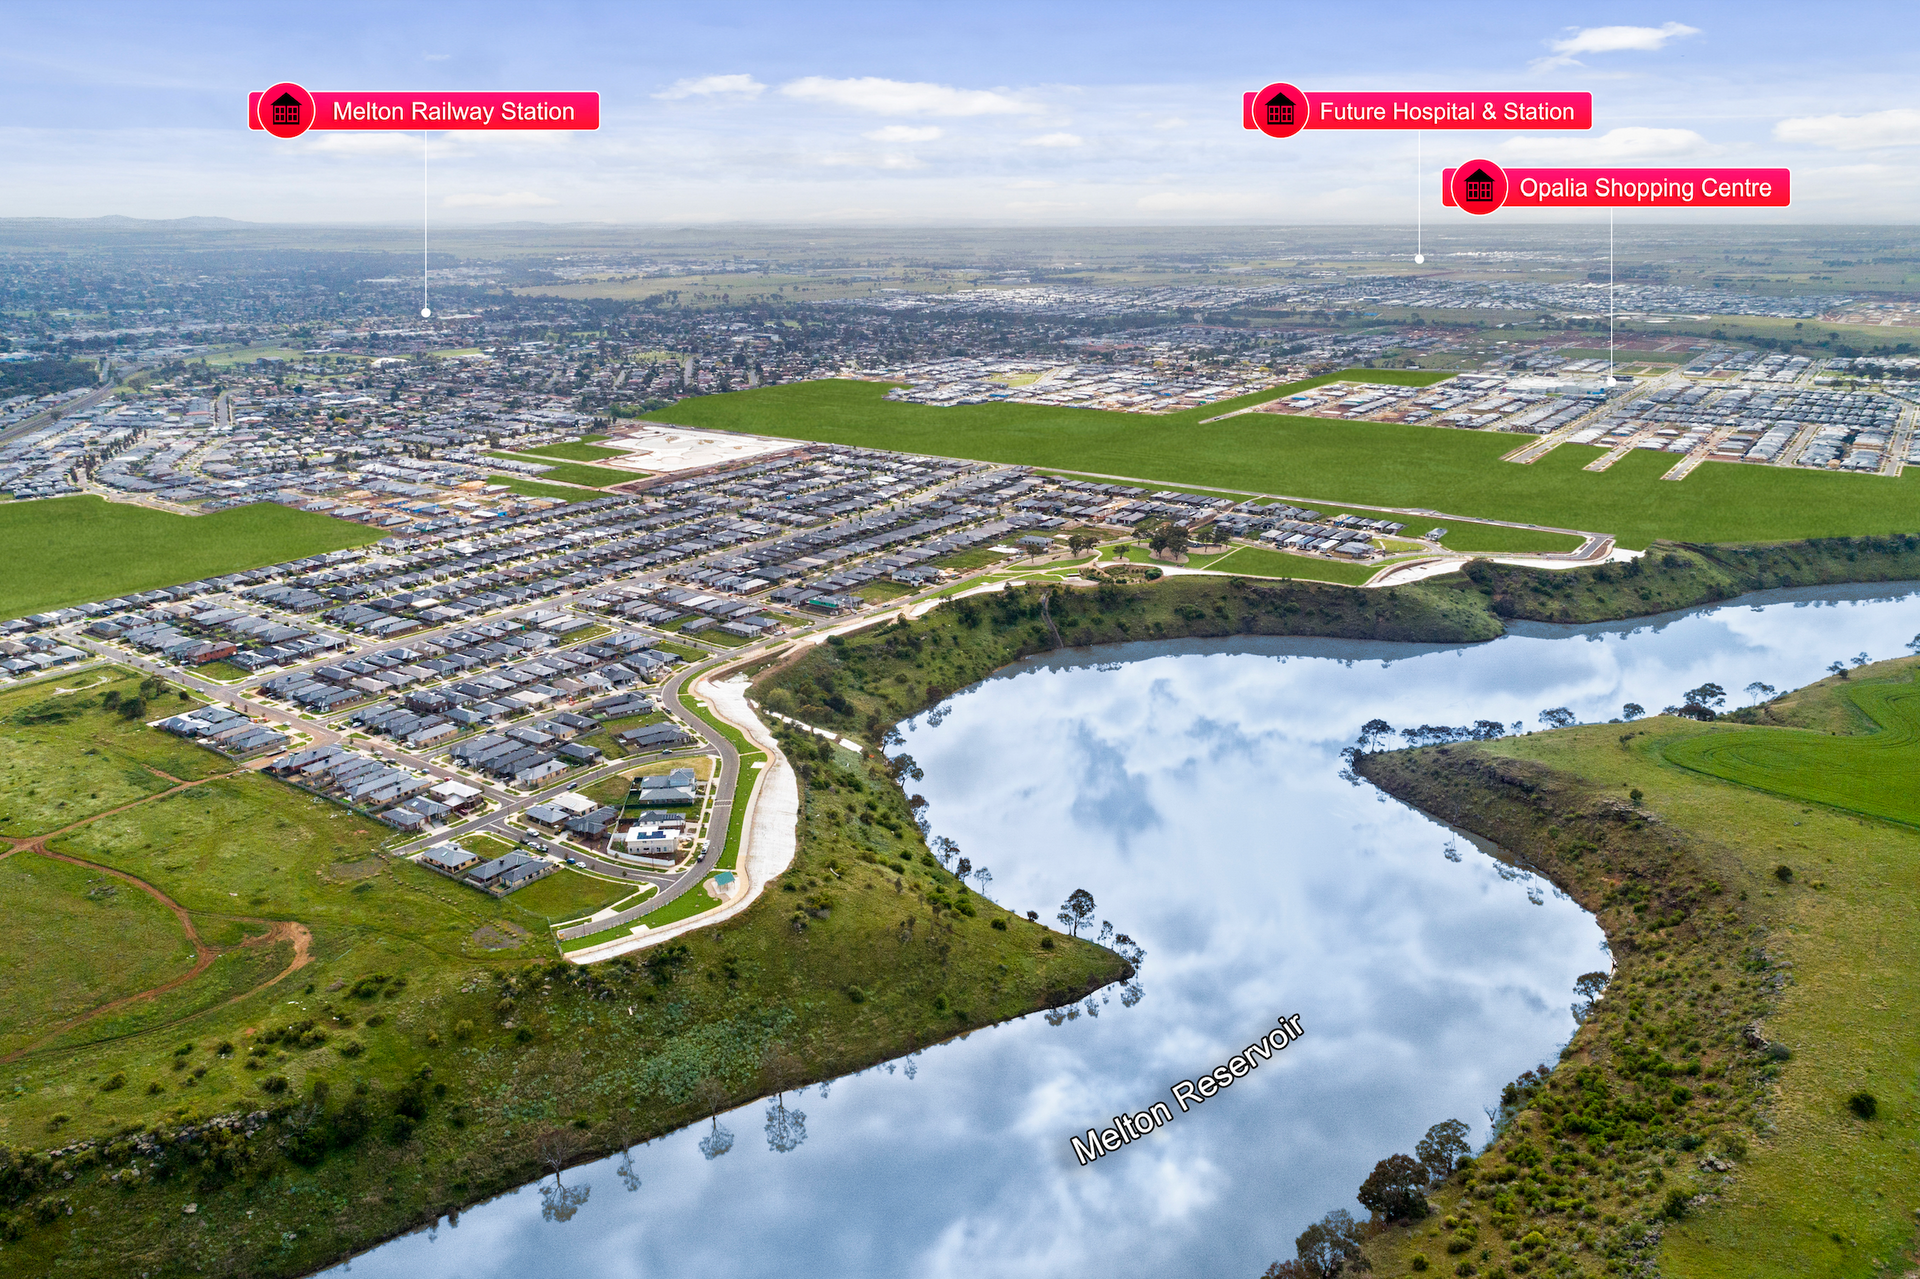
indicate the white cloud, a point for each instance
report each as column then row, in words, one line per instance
column 329, row 142
column 436, row 57
column 904, row 97
column 505, row 200
column 1045, row 206
column 1614, row 146
column 1899, row 127
column 1054, row 140
column 709, row 85
column 904, row 133
column 1031, row 184
column 1611, row 40
column 1217, row 203
column 871, row 160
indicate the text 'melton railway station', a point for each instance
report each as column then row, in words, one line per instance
column 288, row 110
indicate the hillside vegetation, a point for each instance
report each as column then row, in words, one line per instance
column 1739, row 1102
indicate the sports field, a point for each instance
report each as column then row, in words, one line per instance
column 1873, row 773
column 1325, row 460
column 534, row 488
column 68, row 550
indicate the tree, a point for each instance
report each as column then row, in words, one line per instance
column 1837, row 668
column 1913, row 645
column 1558, row 717
column 1170, row 538
column 1485, row 730
column 1327, row 1246
column 1083, row 541
column 964, row 868
column 1372, row 732
column 1860, row 659
column 1077, row 911
column 1393, row 1189
column 946, row 850
column 1759, row 692
column 1709, row 695
column 1440, row 1151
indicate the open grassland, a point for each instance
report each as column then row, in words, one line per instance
column 533, row 488
column 1321, row 459
column 1258, row 561
column 574, row 472
column 1873, row 769
column 576, row 452
column 70, row 755
column 51, row 910
column 1747, row 1006
column 415, row 1045
column 69, row 550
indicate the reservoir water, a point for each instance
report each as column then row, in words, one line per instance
column 1194, row 790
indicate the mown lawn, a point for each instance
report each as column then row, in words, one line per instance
column 70, row 550
column 567, row 894
column 1323, row 460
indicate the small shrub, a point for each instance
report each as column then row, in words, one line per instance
column 463, row 1029
column 523, row 1036
column 1783, row 873
column 275, row 1084
column 352, row 1048
column 1046, row 943
column 1418, row 1261
column 1676, row 1205
column 1001, row 924
column 116, row 1080
column 433, row 1039
column 155, row 1088
column 1864, row 1104
column 856, row 995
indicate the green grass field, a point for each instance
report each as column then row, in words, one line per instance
column 572, row 452
column 574, row 472
column 1876, row 772
column 1323, row 460
column 69, row 550
column 47, row 905
column 105, row 759
column 533, row 488
column 1258, row 561
column 567, row 894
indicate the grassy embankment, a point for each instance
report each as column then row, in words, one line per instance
column 419, row 1046
column 1672, row 576
column 69, row 550
column 1318, row 459
column 864, row 682
column 1757, row 890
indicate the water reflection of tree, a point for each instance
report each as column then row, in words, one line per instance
column 718, row 1142
column 557, row 1147
column 786, row 1129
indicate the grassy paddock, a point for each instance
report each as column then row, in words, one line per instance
column 69, row 550
column 1399, row 465
column 579, row 452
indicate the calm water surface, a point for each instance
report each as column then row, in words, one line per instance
column 1193, row 789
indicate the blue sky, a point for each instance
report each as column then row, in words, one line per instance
column 1021, row 113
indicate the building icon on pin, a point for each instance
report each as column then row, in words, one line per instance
column 1478, row 187
column 286, row 109
column 1280, row 111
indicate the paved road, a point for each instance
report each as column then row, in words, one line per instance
column 39, row 420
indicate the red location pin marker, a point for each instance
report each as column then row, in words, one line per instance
column 1479, row 186
column 1280, row 110
column 286, row 110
